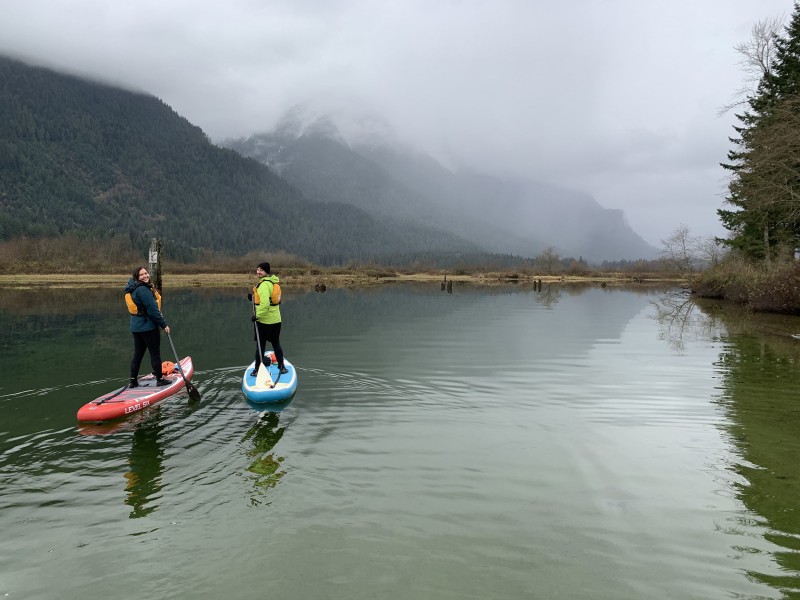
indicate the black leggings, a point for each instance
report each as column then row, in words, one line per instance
column 269, row 333
column 146, row 340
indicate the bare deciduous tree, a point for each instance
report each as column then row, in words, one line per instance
column 710, row 251
column 549, row 260
column 757, row 59
column 680, row 252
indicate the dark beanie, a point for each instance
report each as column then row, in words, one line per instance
column 265, row 266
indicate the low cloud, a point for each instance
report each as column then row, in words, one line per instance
column 618, row 99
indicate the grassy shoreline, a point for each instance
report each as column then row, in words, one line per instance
column 312, row 278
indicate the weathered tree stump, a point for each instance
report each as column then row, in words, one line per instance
column 155, row 263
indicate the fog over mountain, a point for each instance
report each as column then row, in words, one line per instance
column 617, row 99
column 338, row 158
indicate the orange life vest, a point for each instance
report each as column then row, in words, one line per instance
column 134, row 308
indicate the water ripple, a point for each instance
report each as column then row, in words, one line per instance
column 573, row 454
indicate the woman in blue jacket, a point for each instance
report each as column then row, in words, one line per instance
column 145, row 324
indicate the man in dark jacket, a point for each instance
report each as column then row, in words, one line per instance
column 145, row 324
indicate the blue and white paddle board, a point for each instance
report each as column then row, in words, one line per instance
column 270, row 385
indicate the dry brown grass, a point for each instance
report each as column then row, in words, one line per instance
column 338, row 278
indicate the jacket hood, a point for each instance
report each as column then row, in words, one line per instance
column 133, row 284
column 271, row 278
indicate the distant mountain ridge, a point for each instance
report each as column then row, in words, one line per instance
column 388, row 180
column 80, row 156
column 320, row 163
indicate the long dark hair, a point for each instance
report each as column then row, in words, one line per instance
column 136, row 272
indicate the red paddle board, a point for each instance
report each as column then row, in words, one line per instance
column 126, row 401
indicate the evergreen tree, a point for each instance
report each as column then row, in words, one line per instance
column 787, row 57
column 764, row 188
column 747, row 222
column 781, row 142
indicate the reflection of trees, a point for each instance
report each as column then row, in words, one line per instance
column 579, row 287
column 680, row 319
column 762, row 399
column 549, row 295
column 760, row 395
column 38, row 301
column 265, row 466
column 146, row 469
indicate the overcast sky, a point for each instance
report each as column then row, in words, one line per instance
column 617, row 98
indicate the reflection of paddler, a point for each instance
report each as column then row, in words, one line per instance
column 115, row 426
column 265, row 434
column 146, row 469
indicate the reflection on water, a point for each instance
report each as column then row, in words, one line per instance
column 146, row 468
column 503, row 443
column 680, row 317
column 265, row 467
column 762, row 402
column 550, row 295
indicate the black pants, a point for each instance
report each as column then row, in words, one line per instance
column 269, row 333
column 146, row 340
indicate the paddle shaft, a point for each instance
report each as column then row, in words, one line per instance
column 263, row 370
column 114, row 395
column 193, row 393
column 258, row 338
column 277, row 379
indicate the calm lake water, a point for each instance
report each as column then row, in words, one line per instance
column 490, row 443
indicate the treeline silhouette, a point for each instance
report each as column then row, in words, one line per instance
column 74, row 253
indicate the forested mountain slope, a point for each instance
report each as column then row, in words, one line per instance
column 81, row 156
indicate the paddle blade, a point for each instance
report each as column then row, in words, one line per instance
column 194, row 395
column 262, row 377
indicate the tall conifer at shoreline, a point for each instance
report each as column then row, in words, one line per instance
column 764, row 190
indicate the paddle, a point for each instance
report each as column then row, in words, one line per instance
column 263, row 370
column 107, row 398
column 193, row 393
column 277, row 379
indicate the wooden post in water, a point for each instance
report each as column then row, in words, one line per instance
column 155, row 263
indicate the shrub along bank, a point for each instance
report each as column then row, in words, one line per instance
column 775, row 289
